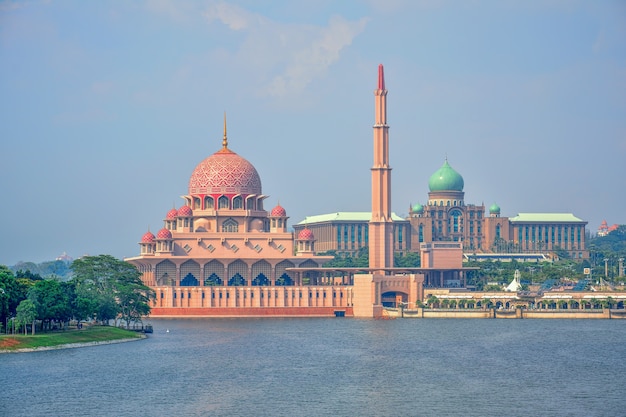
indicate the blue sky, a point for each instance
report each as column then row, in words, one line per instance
column 106, row 107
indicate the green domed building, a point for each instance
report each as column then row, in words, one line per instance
column 446, row 217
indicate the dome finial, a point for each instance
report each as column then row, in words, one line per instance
column 225, row 140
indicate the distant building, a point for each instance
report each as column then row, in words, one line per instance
column 64, row 257
column 348, row 232
column 605, row 229
column 447, row 217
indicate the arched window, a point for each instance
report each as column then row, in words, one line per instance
column 196, row 203
column 209, row 203
column 497, row 231
column 223, row 202
column 455, row 220
column 230, row 226
column 237, row 203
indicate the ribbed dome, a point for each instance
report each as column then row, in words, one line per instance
column 185, row 211
column 278, row 211
column 164, row 234
column 494, row 209
column 306, row 234
column 417, row 208
column 147, row 238
column 224, row 172
column 171, row 214
column 446, row 179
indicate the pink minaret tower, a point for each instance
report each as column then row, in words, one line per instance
column 380, row 225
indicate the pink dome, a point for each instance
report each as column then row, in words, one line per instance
column 306, row 234
column 148, row 238
column 171, row 214
column 278, row 211
column 164, row 234
column 185, row 211
column 224, row 172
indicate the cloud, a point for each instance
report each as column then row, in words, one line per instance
column 235, row 17
column 288, row 56
column 312, row 61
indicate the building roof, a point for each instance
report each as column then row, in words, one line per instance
column 446, row 179
column 546, row 218
column 344, row 216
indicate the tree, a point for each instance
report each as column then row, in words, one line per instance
column 51, row 301
column 27, row 313
column 109, row 288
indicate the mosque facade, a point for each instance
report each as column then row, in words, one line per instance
column 222, row 252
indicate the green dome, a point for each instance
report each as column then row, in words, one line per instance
column 494, row 209
column 417, row 208
column 446, row 179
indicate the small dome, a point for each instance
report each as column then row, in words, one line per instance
column 494, row 209
column 185, row 211
column 306, row 234
column 147, row 238
column 278, row 211
column 256, row 225
column 171, row 214
column 446, row 179
column 417, row 208
column 164, row 234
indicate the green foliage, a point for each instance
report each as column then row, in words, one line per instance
column 26, row 314
column 361, row 260
column 51, row 300
column 107, row 288
column 408, row 260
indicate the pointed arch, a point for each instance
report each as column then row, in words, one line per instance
column 214, row 273
column 284, row 277
column 238, row 268
column 165, row 273
column 190, row 273
column 230, row 225
column 261, row 268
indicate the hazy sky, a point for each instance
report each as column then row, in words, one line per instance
column 106, row 107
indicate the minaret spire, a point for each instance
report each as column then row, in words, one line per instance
column 381, row 241
column 225, row 140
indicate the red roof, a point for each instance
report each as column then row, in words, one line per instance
column 185, row 211
column 278, row 211
column 306, row 234
column 164, row 234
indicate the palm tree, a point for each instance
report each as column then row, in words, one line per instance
column 433, row 301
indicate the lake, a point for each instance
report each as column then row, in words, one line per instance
column 331, row 367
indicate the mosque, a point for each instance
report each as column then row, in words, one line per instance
column 223, row 254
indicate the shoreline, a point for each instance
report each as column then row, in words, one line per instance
column 74, row 345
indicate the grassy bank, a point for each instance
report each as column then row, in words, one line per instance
column 86, row 335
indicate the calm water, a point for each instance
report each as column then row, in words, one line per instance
column 331, row 367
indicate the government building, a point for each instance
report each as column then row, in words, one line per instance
column 447, row 218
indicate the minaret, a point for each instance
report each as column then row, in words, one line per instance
column 381, row 226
